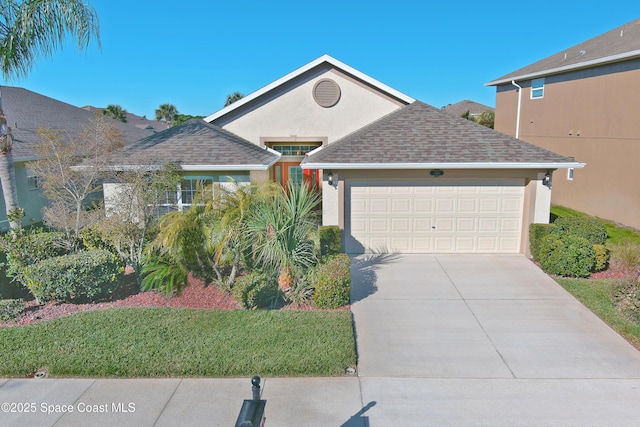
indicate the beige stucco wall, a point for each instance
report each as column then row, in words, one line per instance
column 536, row 197
column 293, row 112
column 591, row 115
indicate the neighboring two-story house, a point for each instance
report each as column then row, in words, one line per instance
column 583, row 102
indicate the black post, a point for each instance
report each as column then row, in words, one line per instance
column 252, row 411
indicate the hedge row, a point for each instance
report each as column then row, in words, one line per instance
column 333, row 282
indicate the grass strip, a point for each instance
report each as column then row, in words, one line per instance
column 596, row 295
column 175, row 342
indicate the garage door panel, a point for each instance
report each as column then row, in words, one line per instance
column 448, row 217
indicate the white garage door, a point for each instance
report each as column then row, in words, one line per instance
column 446, row 217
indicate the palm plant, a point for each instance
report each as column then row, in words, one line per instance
column 167, row 112
column 233, row 97
column 281, row 233
column 30, row 29
column 116, row 112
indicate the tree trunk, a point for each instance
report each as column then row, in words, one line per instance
column 7, row 170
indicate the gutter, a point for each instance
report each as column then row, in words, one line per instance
column 440, row 165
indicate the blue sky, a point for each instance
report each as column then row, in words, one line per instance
column 193, row 53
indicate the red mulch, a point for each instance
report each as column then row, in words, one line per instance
column 196, row 295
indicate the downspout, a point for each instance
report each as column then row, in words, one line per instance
column 513, row 82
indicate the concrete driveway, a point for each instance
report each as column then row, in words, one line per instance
column 484, row 340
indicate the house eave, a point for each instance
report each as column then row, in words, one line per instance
column 572, row 67
column 447, row 165
column 324, row 58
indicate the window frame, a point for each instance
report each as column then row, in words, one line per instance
column 570, row 174
column 537, row 86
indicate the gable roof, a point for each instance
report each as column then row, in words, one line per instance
column 620, row 44
column 28, row 111
column 200, row 146
column 324, row 59
column 419, row 136
column 459, row 108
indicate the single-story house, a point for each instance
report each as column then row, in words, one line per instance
column 396, row 175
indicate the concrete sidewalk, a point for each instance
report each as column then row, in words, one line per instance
column 177, row 402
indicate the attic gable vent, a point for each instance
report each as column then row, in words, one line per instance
column 326, row 93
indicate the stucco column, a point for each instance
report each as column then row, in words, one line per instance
column 330, row 200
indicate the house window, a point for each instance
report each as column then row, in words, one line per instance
column 185, row 193
column 294, row 150
column 33, row 181
column 295, row 175
column 537, row 88
column 570, row 174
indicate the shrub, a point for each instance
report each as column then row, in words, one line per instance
column 589, row 228
column 330, row 241
column 566, row 255
column 165, row 274
column 31, row 246
column 626, row 257
column 10, row 309
column 601, row 254
column 82, row 276
column 626, row 296
column 536, row 233
column 257, row 290
column 333, row 282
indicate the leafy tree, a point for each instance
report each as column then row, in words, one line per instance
column 168, row 113
column 30, row 29
column 71, row 170
column 116, row 112
column 184, row 117
column 129, row 222
column 233, row 97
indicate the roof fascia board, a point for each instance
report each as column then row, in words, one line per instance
column 557, row 70
column 511, row 165
column 302, row 70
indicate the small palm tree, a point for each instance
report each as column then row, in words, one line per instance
column 167, row 112
column 30, row 29
column 116, row 112
column 281, row 233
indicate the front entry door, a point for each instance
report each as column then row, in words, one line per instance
column 285, row 172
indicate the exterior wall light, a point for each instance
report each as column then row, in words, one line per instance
column 546, row 181
column 330, row 179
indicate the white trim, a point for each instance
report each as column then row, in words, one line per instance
column 557, row 70
column 324, row 58
column 533, row 89
column 470, row 165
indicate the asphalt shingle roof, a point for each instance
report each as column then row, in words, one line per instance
column 619, row 41
column 459, row 108
column 420, row 133
column 27, row 111
column 196, row 142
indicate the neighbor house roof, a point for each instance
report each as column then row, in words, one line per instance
column 420, row 136
column 459, row 108
column 199, row 146
column 323, row 60
column 619, row 44
column 135, row 120
column 27, row 111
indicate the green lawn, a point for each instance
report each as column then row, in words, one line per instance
column 617, row 234
column 173, row 342
column 596, row 295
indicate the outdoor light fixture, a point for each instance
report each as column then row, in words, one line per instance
column 436, row 173
column 330, row 178
column 546, row 181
